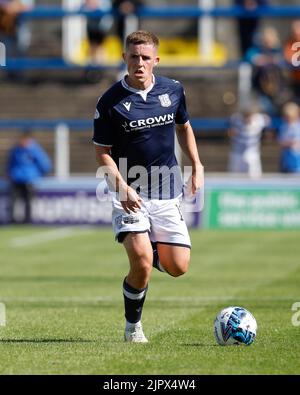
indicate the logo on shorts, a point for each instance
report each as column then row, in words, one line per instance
column 118, row 221
column 130, row 219
column 126, row 220
column 165, row 100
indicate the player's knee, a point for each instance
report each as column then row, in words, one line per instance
column 140, row 272
column 177, row 268
column 142, row 265
column 144, row 268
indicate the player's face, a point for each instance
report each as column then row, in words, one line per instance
column 140, row 61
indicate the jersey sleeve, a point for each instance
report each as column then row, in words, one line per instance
column 182, row 115
column 103, row 130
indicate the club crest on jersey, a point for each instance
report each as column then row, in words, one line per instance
column 165, row 100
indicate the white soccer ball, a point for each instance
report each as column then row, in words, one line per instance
column 235, row 325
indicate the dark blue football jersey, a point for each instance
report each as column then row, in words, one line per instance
column 139, row 126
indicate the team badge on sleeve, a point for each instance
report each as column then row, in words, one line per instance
column 97, row 114
column 165, row 100
column 127, row 105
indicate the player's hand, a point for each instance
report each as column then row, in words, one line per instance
column 131, row 201
column 196, row 180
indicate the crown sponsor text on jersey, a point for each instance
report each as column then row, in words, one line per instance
column 152, row 120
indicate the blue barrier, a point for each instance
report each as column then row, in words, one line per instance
column 61, row 64
column 170, row 12
column 53, row 64
column 84, row 124
column 76, row 124
column 225, row 12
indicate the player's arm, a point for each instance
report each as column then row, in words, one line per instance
column 187, row 142
column 129, row 199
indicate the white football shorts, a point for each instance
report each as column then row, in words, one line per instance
column 162, row 219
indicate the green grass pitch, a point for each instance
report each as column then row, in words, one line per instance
column 62, row 289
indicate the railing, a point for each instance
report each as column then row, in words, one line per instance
column 61, row 64
column 198, row 124
column 170, row 12
column 62, row 129
column 83, row 124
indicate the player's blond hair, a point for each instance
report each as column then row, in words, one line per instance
column 142, row 37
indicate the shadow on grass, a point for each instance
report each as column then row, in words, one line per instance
column 200, row 345
column 46, row 341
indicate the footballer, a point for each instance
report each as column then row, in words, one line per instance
column 134, row 131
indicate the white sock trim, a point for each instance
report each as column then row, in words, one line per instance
column 130, row 325
column 132, row 296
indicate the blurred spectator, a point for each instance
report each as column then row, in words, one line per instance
column 268, row 81
column 290, row 53
column 97, row 29
column 245, row 133
column 248, row 25
column 125, row 8
column 27, row 162
column 16, row 37
column 289, row 139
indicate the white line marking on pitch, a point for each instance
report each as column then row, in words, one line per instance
column 58, row 299
column 46, row 236
column 97, row 299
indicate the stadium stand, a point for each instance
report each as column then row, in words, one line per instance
column 53, row 89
